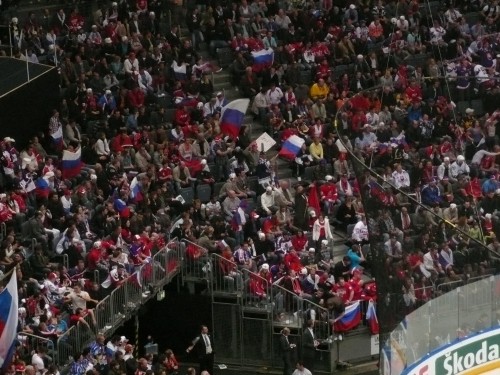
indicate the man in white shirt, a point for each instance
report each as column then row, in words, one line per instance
column 79, row 298
column 301, row 370
column 459, row 167
column 360, row 231
column 37, row 360
column 274, row 94
column 400, row 177
column 267, row 201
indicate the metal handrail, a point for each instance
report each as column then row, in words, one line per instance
column 122, row 303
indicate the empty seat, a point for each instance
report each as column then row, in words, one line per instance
column 203, row 192
column 187, row 194
column 309, row 173
column 225, row 57
column 217, row 187
column 477, row 106
column 306, row 77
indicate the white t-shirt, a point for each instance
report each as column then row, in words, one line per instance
column 79, row 300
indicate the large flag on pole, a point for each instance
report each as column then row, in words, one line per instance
column 262, row 59
column 232, row 116
column 291, row 147
column 350, row 319
column 8, row 320
column 371, row 318
column 71, row 163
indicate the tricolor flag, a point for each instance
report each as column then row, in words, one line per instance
column 8, row 321
column 350, row 319
column 180, row 71
column 71, row 163
column 57, row 138
column 262, row 59
column 291, row 147
column 371, row 318
column 232, row 116
column 42, row 188
column 135, row 190
column 121, row 207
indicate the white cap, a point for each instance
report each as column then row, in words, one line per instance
column 312, row 250
column 381, row 123
column 352, row 6
column 265, row 266
column 14, row 20
column 108, row 92
column 393, row 20
column 269, row 189
column 49, row 174
column 487, row 216
column 203, row 161
column 360, row 57
column 261, row 235
column 151, row 13
column 402, row 18
column 108, row 41
column 199, row 105
column 3, row 195
column 469, row 111
column 89, row 91
column 328, row 177
column 303, row 271
column 97, row 244
column 219, row 93
column 114, row 4
column 497, row 191
column 94, row 26
column 8, row 139
column 93, row 177
column 232, row 175
column 460, row 158
column 324, row 242
column 446, row 158
column 124, row 38
column 453, row 206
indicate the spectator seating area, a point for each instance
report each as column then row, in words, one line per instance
column 408, row 88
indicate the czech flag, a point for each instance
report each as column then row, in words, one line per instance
column 8, row 321
column 71, row 163
column 350, row 319
column 291, row 147
column 180, row 71
column 262, row 59
column 232, row 116
column 371, row 318
column 57, row 138
column 135, row 190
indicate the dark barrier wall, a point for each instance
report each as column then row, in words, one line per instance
column 27, row 109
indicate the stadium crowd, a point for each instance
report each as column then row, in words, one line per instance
column 140, row 110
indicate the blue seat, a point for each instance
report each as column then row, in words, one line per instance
column 203, row 192
column 187, row 194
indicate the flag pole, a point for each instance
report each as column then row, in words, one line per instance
column 27, row 65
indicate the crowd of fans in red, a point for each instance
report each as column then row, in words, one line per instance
column 139, row 104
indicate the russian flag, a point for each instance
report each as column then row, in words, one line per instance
column 350, row 319
column 180, row 71
column 57, row 138
column 262, row 59
column 122, row 208
column 71, row 163
column 135, row 190
column 42, row 188
column 8, row 321
column 232, row 116
column 291, row 147
column 371, row 318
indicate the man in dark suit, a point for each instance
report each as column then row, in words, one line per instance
column 309, row 345
column 286, row 351
column 202, row 346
